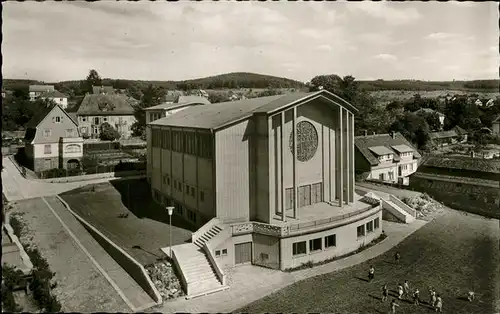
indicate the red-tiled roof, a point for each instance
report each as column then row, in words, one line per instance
column 463, row 163
column 108, row 104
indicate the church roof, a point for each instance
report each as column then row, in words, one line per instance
column 214, row 116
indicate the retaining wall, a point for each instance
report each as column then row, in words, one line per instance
column 127, row 262
column 482, row 200
column 88, row 177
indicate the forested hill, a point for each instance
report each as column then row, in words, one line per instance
column 223, row 81
column 253, row 80
column 415, row 85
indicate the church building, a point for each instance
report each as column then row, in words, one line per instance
column 269, row 180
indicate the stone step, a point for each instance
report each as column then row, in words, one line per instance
column 201, row 266
column 200, row 277
column 204, row 285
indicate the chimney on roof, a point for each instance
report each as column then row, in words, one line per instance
column 393, row 134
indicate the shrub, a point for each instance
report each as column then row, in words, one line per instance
column 16, row 224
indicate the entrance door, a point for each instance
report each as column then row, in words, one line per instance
column 304, row 195
column 243, row 253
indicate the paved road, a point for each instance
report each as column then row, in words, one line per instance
column 16, row 187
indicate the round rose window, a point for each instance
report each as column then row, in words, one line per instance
column 307, row 141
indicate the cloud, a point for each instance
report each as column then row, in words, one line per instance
column 182, row 40
column 463, row 4
column 323, row 47
column 386, row 57
column 441, row 36
column 392, row 13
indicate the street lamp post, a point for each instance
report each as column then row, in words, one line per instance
column 170, row 210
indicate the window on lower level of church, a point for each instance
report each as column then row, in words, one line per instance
column 299, row 248
column 315, row 245
column 361, row 231
column 330, row 241
column 369, row 226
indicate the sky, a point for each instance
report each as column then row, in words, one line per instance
column 56, row 41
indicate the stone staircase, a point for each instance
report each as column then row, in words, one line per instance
column 394, row 208
column 197, row 271
column 212, row 232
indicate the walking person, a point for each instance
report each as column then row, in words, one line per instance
column 471, row 296
column 371, row 273
column 397, row 257
column 416, row 297
column 393, row 306
column 400, row 291
column 433, row 299
column 439, row 304
column 407, row 288
column 385, row 293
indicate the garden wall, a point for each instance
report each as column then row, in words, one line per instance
column 127, row 262
column 460, row 194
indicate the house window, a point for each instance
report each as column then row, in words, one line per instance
column 330, row 241
column 58, row 119
column 202, row 196
column 96, row 120
column 105, row 119
column 192, row 191
column 459, row 185
column 299, row 248
column 84, row 119
column 376, row 223
column 168, row 180
column 47, row 133
column 369, row 226
column 165, row 177
column 391, row 176
column 47, row 149
column 217, row 253
column 224, row 252
column 315, row 245
column 187, row 189
column 411, row 167
column 361, row 231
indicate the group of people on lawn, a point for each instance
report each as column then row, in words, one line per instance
column 435, row 299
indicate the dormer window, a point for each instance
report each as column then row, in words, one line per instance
column 58, row 119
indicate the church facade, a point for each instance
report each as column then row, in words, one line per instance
column 274, row 174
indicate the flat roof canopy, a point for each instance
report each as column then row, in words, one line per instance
column 380, row 150
column 402, row 148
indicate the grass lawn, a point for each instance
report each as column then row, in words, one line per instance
column 454, row 254
column 146, row 228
